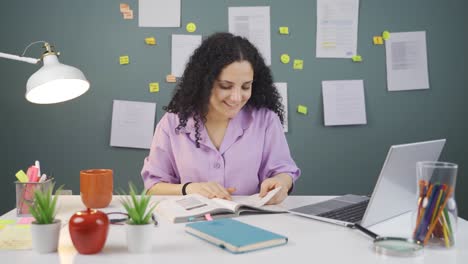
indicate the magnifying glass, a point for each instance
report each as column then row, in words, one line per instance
column 396, row 246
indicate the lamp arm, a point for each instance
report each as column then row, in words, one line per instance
column 19, row 58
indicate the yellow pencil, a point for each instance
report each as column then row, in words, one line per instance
column 431, row 227
column 444, row 229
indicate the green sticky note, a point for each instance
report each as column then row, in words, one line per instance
column 357, row 58
column 124, row 60
column 191, row 27
column 386, row 35
column 154, row 87
column 284, row 30
column 21, row 176
column 7, row 222
column 302, row 109
column 298, row 64
column 285, row 58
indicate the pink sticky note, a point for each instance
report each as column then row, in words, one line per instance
column 25, row 220
column 208, row 217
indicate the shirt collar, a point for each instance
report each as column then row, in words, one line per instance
column 236, row 129
column 242, row 120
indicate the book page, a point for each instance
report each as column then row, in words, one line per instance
column 255, row 200
column 231, row 205
column 193, row 205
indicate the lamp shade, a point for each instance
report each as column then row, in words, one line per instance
column 55, row 82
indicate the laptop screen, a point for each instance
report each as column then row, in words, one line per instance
column 395, row 192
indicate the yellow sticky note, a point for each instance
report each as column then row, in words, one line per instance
column 154, row 87
column 191, row 27
column 15, row 237
column 386, row 35
column 124, row 7
column 124, row 60
column 298, row 64
column 127, row 14
column 21, row 176
column 150, row 41
column 7, row 221
column 285, row 58
column 170, row 78
column 357, row 58
column 378, row 40
column 284, row 30
column 302, row 109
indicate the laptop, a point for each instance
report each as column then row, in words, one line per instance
column 393, row 195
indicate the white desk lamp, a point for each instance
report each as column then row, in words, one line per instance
column 54, row 82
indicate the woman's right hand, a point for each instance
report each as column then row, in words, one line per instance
column 210, row 190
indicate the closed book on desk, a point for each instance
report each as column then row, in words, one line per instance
column 235, row 236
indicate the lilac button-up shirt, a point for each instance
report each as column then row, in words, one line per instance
column 254, row 148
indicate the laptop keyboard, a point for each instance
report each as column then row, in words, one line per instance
column 352, row 213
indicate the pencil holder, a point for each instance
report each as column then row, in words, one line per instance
column 436, row 215
column 25, row 195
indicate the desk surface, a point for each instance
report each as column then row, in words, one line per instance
column 310, row 241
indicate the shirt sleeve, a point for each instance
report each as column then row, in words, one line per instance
column 276, row 157
column 159, row 165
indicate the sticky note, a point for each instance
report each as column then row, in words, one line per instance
column 170, row 78
column 124, row 7
column 285, row 58
column 25, row 220
column 150, row 41
column 378, row 40
column 302, row 109
column 154, row 87
column 16, row 237
column 124, row 60
column 386, row 35
column 191, row 27
column 284, row 30
column 357, row 58
column 127, row 14
column 21, row 176
column 7, row 221
column 298, row 64
column 208, row 217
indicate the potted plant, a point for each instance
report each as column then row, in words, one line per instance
column 140, row 220
column 45, row 230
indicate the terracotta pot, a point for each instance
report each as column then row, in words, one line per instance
column 96, row 187
column 88, row 230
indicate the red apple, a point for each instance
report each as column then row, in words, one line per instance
column 88, row 230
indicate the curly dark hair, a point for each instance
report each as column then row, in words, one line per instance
column 192, row 94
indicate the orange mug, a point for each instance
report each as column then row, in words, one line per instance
column 96, row 187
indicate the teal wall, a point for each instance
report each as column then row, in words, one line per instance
column 91, row 35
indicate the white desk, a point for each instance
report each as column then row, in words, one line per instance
column 310, row 241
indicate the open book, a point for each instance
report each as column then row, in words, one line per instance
column 194, row 207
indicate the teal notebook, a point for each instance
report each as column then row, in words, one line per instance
column 235, row 236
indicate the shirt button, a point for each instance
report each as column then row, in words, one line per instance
column 217, row 165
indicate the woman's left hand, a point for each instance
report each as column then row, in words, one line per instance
column 282, row 180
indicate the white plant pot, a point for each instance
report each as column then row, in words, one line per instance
column 45, row 238
column 140, row 238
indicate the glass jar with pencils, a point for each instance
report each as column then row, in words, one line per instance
column 436, row 214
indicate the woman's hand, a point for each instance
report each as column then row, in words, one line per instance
column 282, row 180
column 210, row 190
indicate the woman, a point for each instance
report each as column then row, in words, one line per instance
column 222, row 132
